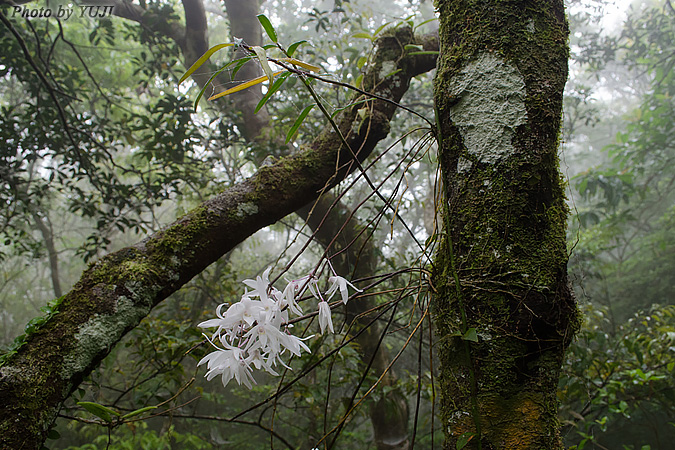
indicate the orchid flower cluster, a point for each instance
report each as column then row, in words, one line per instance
column 255, row 332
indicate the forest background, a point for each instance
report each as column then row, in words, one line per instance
column 64, row 207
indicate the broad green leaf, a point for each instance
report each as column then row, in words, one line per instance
column 242, row 86
column 138, row 411
column 267, row 25
column 293, row 47
column 262, row 57
column 424, row 53
column 53, row 434
column 101, row 411
column 463, row 440
column 361, row 62
column 298, row 122
column 202, row 60
column 470, row 335
column 270, row 92
column 362, row 35
column 302, row 64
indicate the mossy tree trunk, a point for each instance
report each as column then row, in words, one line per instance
column 504, row 311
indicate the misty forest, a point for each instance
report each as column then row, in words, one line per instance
column 337, row 224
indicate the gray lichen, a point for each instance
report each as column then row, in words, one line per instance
column 491, row 106
column 246, row 209
column 102, row 332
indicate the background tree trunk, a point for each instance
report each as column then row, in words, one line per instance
column 351, row 252
column 504, row 312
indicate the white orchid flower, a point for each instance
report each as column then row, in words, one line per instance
column 337, row 282
column 255, row 331
column 325, row 320
column 229, row 363
column 259, row 285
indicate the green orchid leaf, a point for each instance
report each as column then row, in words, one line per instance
column 463, row 440
column 138, row 411
column 470, row 335
column 267, row 25
column 380, row 28
column 362, row 35
column 202, row 60
column 100, row 411
column 240, row 64
column 270, row 92
column 434, row 53
column 424, row 23
column 293, row 47
column 208, row 83
column 298, row 122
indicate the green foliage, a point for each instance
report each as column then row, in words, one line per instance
column 626, row 217
column 100, row 411
column 616, row 389
column 141, row 438
column 464, row 439
column 159, row 152
column 202, row 59
column 619, row 384
column 267, row 26
column 31, row 327
column 298, row 122
column 54, row 153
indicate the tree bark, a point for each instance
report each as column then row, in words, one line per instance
column 115, row 293
column 504, row 312
column 45, row 229
column 244, row 25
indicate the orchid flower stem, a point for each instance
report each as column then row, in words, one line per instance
column 335, row 127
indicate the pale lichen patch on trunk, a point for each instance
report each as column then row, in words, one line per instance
column 491, row 105
column 102, row 332
column 246, row 209
column 530, row 26
column 387, row 68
